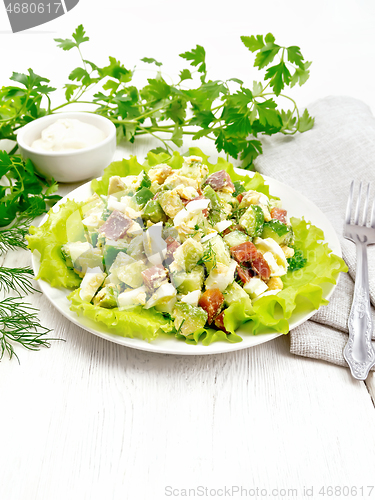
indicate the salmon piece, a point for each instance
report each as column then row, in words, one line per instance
column 219, row 180
column 154, row 276
column 211, row 301
column 116, row 226
column 279, row 214
column 172, row 246
column 247, row 252
column 244, row 274
column 244, row 252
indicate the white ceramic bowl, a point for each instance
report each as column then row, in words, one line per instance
column 69, row 166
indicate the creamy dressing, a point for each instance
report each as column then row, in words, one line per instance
column 68, row 135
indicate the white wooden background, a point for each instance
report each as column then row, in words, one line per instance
column 88, row 419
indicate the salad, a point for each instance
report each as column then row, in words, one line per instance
column 181, row 247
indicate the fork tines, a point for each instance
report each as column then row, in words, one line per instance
column 349, row 207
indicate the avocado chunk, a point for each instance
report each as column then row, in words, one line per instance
column 153, row 212
column 253, row 220
column 235, row 293
column 171, row 203
column 215, row 250
column 142, row 196
column 130, row 274
column 111, row 250
column 216, row 204
column 235, row 238
column 188, row 254
column 188, row 318
column 106, row 297
column 278, row 231
column 188, row 282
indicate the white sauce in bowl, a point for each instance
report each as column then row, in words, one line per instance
column 68, row 135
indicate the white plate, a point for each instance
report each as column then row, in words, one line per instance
column 296, row 205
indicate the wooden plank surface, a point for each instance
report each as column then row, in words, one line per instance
column 87, row 419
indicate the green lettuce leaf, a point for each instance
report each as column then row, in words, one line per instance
column 47, row 240
column 140, row 323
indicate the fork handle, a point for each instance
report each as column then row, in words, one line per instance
column 359, row 351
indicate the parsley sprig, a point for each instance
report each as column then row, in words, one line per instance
column 298, row 261
column 22, row 191
column 228, row 112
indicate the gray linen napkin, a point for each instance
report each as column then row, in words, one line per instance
column 320, row 164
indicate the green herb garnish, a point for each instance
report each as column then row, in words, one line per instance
column 278, row 227
column 208, row 256
column 15, row 279
column 19, row 324
column 298, row 261
column 226, row 111
column 24, row 190
column 238, row 188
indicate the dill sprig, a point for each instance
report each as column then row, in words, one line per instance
column 16, row 279
column 19, row 323
column 178, row 332
column 237, row 213
column 208, row 256
column 13, row 237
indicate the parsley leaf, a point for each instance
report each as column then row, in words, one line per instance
column 185, row 74
column 197, row 58
column 253, row 43
column 296, row 262
column 279, row 76
column 151, row 60
column 306, row 122
column 27, row 191
column 295, row 56
column 79, row 37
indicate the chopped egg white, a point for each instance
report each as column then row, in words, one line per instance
column 273, row 254
column 132, row 298
column 154, row 245
column 192, row 298
column 196, row 206
column 91, row 283
column 255, row 287
column 208, row 237
column 114, row 204
column 92, row 221
column 254, row 198
column 221, row 276
column 223, row 225
column 163, row 294
column 77, row 248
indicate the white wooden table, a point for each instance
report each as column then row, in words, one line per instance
column 88, row 419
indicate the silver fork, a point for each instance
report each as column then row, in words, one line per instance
column 359, row 351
